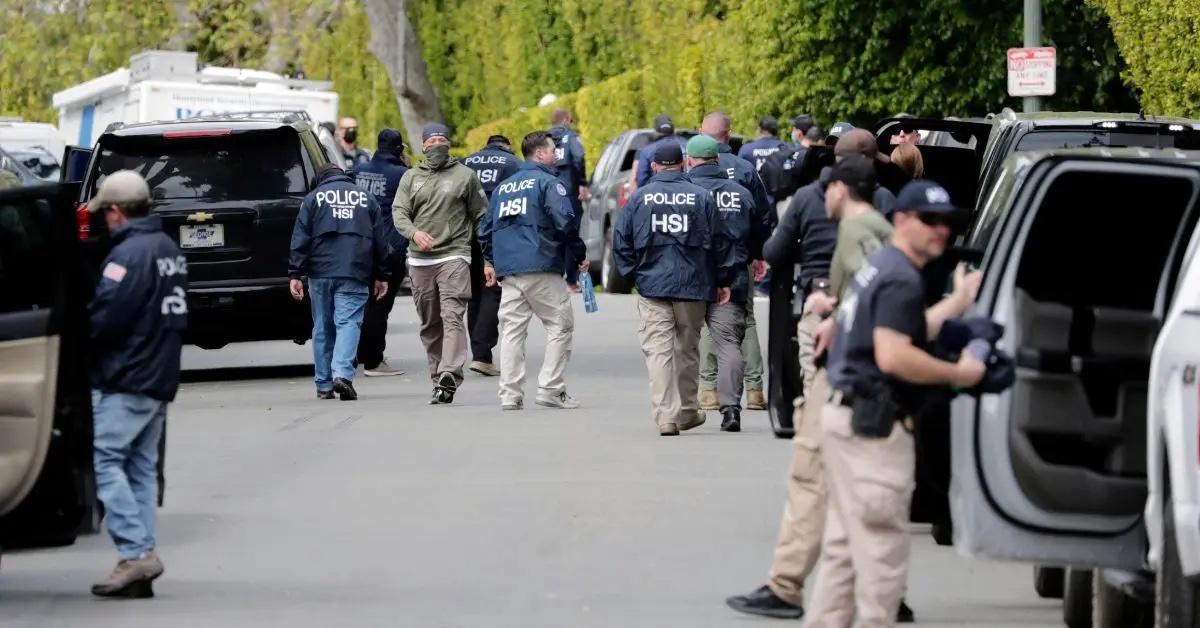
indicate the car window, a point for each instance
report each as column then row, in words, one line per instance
column 27, row 272
column 992, row 209
column 601, row 173
column 1149, row 137
column 242, row 165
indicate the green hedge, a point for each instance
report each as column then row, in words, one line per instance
column 1158, row 38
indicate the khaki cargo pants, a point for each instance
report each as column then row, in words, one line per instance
column 523, row 297
column 670, row 335
column 440, row 293
column 864, row 557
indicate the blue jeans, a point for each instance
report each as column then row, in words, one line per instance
column 125, row 454
column 337, row 312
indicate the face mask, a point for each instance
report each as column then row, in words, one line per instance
column 351, row 135
column 438, row 155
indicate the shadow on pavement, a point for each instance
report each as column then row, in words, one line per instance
column 246, row 373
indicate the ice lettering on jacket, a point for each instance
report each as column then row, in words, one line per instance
column 728, row 201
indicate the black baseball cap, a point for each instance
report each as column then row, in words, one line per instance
column 668, row 154
column 926, row 197
column 838, row 130
column 664, row 124
column 803, row 123
column 499, row 139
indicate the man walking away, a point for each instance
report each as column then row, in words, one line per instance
column 664, row 131
column 737, row 237
column 662, row 242
column 781, row 171
column 766, row 144
column 347, row 136
column 438, row 207
column 493, row 164
column 137, row 318
column 525, row 237
column 340, row 242
column 572, row 172
column 380, row 177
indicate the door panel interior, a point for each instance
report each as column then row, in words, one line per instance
column 28, row 374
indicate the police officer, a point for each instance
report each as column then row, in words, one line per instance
column 664, row 131
column 878, row 370
column 527, row 237
column 137, row 316
column 716, row 124
column 781, row 171
column 766, row 144
column 494, row 163
column 340, row 243
column 571, row 165
column 379, row 178
column 738, row 235
column 347, row 137
column 662, row 241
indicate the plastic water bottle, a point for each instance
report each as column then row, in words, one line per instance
column 589, row 293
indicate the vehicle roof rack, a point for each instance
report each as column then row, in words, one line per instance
column 286, row 116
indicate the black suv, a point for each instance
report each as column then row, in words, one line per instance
column 228, row 188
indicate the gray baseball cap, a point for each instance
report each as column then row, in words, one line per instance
column 123, row 187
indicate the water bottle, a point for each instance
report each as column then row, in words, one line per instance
column 589, row 292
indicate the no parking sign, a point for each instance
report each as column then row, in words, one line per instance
column 1031, row 71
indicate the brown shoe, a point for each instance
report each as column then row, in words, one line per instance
column 708, row 400
column 668, row 429
column 688, row 422
column 755, row 400
column 131, row 577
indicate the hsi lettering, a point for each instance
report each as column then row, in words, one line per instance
column 512, row 207
column 343, row 213
column 669, row 223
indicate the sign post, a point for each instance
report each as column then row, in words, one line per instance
column 1033, row 39
column 1031, row 73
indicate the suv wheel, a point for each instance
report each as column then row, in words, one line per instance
column 1176, row 601
column 613, row 281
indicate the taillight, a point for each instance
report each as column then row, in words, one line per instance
column 622, row 195
column 83, row 221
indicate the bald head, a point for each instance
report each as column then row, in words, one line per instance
column 560, row 117
column 716, row 125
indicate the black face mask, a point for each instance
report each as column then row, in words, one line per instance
column 351, row 135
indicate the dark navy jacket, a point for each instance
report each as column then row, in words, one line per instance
column 739, row 230
column 139, row 313
column 806, row 236
column 493, row 164
column 744, row 173
column 340, row 232
column 528, row 224
column 379, row 178
column 664, row 237
column 646, row 155
column 756, row 152
column 572, row 170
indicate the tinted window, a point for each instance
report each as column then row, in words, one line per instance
column 27, row 269
column 244, row 165
column 1121, row 138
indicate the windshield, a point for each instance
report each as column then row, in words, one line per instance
column 1138, row 137
column 37, row 158
column 245, row 165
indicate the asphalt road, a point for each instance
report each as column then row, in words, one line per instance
column 287, row 511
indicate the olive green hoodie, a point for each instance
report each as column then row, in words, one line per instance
column 447, row 203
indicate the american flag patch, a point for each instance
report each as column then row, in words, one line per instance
column 114, row 271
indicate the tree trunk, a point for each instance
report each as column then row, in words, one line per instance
column 281, row 45
column 395, row 44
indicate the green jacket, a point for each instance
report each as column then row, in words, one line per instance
column 446, row 203
column 857, row 239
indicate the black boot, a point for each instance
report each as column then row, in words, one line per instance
column 733, row 419
column 345, row 389
column 764, row 602
column 905, row 614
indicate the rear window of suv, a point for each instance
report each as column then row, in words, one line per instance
column 248, row 165
column 1143, row 137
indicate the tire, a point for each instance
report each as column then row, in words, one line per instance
column 1077, row 598
column 614, row 283
column 1113, row 609
column 1177, row 601
column 1048, row 582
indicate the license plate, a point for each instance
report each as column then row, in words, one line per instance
column 201, row 236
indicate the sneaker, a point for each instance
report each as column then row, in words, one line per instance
column 325, row 394
column 345, row 389
column 732, row 421
column 668, row 429
column 905, row 614
column 441, row 396
column 562, row 401
column 446, row 381
column 131, row 578
column 512, row 405
column 487, row 369
column 762, row 601
column 382, row 370
column 444, row 389
column 708, row 400
column 755, row 400
column 695, row 420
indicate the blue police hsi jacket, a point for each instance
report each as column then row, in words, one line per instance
column 492, row 165
column 738, row 230
column 139, row 313
column 663, row 240
column 570, row 166
column 528, row 225
column 756, row 152
column 340, row 232
column 646, row 155
column 380, row 177
column 744, row 173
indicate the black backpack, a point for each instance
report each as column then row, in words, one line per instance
column 781, row 171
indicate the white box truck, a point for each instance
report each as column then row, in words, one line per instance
column 166, row 85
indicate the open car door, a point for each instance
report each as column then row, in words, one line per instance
column 951, row 149
column 46, row 487
column 1053, row 470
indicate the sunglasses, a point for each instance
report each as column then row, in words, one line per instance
column 935, row 220
column 908, row 130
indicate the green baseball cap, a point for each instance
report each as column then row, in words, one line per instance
column 702, row 147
